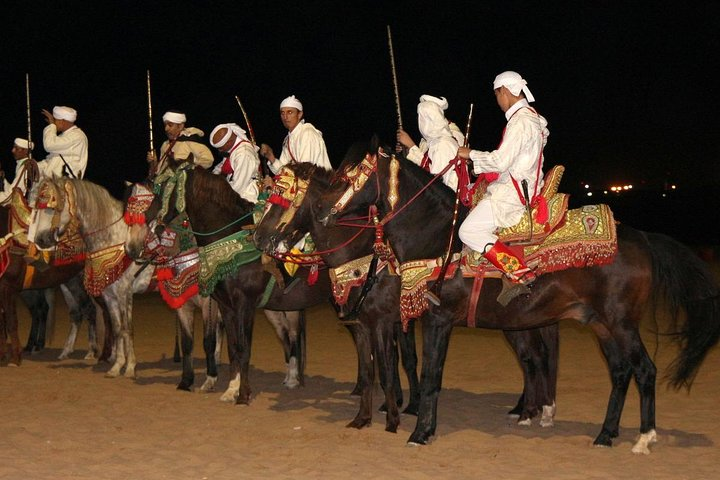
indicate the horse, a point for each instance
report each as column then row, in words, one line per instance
column 610, row 298
column 215, row 213
column 76, row 205
column 18, row 279
column 536, row 349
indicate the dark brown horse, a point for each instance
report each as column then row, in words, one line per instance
column 215, row 211
column 13, row 281
column 610, row 299
column 536, row 348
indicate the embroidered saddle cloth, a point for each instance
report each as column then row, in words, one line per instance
column 586, row 237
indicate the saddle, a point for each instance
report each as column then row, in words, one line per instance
column 577, row 238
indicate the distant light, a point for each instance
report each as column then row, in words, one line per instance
column 664, row 194
column 587, row 186
column 589, row 194
column 605, row 192
column 630, row 187
column 673, row 187
column 626, row 187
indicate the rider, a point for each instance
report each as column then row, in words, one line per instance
column 65, row 143
column 303, row 143
column 439, row 145
column 240, row 159
column 20, row 152
column 182, row 141
column 517, row 159
column 67, row 146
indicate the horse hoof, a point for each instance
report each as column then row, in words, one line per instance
column 89, row 356
column 184, row 387
column 417, row 440
column 359, row 423
column 526, row 422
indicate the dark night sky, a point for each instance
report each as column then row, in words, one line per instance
column 626, row 86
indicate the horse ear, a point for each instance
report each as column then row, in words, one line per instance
column 127, row 184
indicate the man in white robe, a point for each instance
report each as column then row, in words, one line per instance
column 518, row 158
column 240, row 164
column 303, row 143
column 66, row 144
column 20, row 152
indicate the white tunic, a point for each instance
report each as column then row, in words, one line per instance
column 519, row 153
column 185, row 145
column 72, row 144
column 304, row 144
column 245, row 164
column 441, row 151
column 18, row 182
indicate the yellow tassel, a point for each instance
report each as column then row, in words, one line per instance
column 291, row 267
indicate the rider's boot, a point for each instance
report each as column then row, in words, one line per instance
column 518, row 276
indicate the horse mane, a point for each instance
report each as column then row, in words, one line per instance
column 442, row 195
column 98, row 206
column 209, row 189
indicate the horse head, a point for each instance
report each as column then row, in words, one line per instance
column 140, row 205
column 286, row 217
column 55, row 209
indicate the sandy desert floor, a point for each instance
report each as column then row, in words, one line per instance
column 64, row 420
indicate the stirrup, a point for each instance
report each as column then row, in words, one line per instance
column 511, row 290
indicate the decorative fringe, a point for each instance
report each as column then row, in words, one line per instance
column 177, row 302
column 278, row 200
column 312, row 277
column 164, row 273
column 78, row 258
column 132, row 218
column 413, row 304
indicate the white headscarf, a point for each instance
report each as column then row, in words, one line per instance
column 65, row 113
column 514, row 82
column 231, row 128
column 431, row 119
column 174, row 117
column 22, row 143
column 291, row 102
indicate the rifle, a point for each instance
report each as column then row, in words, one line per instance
column 395, row 80
column 264, row 170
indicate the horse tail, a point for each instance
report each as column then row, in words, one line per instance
column 686, row 282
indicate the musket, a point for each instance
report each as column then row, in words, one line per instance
column 264, row 170
column 27, row 105
column 466, row 141
column 395, row 80
column 150, row 120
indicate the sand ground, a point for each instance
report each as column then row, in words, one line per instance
column 64, row 420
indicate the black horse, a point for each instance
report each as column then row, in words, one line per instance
column 215, row 212
column 536, row 348
column 610, row 299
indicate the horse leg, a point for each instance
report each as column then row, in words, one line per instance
column 408, row 352
column 210, row 343
column 129, row 338
column 286, row 328
column 11, row 325
column 86, row 310
column 620, row 375
column 113, row 307
column 357, row 389
column 75, row 321
column 366, row 377
column 387, row 359
column 35, row 302
column 645, row 374
column 296, row 331
column 107, row 354
column 245, row 333
column 185, row 315
column 539, row 372
column 436, row 339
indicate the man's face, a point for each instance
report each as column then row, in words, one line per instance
column 503, row 97
column 172, row 130
column 225, row 147
column 62, row 125
column 290, row 117
column 19, row 152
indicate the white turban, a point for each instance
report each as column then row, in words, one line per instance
column 513, row 82
column 291, row 102
column 231, row 128
column 174, row 117
column 431, row 119
column 442, row 101
column 65, row 113
column 22, row 143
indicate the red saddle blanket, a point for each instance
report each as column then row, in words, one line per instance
column 586, row 237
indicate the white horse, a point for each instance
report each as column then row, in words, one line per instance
column 77, row 205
